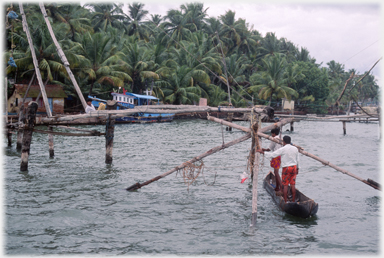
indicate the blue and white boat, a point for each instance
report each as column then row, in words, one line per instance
column 129, row 100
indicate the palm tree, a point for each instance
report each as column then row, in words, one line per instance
column 180, row 87
column 106, row 65
column 270, row 45
column 196, row 15
column 176, row 27
column 141, row 65
column 107, row 14
column 50, row 64
column 137, row 26
column 273, row 81
column 73, row 15
column 217, row 96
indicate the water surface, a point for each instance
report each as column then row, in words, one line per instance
column 76, row 204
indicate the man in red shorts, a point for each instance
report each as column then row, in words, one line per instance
column 290, row 164
column 275, row 162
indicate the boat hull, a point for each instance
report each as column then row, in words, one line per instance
column 304, row 207
column 146, row 118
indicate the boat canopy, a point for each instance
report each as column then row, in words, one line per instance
column 140, row 96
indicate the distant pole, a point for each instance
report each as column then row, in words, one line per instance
column 292, row 126
column 27, row 136
column 50, row 143
column 344, row 128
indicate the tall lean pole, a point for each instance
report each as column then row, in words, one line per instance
column 35, row 63
column 62, row 56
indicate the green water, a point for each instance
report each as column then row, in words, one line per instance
column 75, row 204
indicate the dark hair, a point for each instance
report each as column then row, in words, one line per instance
column 275, row 131
column 88, row 100
column 287, row 139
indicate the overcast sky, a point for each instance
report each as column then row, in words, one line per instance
column 347, row 32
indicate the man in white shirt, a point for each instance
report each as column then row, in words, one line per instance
column 90, row 107
column 290, row 164
column 275, row 162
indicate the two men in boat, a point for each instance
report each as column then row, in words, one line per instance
column 275, row 162
column 290, row 164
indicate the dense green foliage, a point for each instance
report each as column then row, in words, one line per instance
column 182, row 57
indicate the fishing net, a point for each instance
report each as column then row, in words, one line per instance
column 191, row 172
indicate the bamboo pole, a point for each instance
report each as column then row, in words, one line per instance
column 205, row 154
column 27, row 136
column 35, row 62
column 301, row 150
column 246, row 129
column 63, row 57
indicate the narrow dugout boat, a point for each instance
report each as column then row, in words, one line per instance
column 304, row 207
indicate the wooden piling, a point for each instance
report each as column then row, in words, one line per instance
column 50, row 143
column 27, row 136
column 344, row 128
column 109, row 132
column 9, row 136
column 20, row 131
column 292, row 126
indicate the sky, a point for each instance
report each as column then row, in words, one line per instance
column 347, row 32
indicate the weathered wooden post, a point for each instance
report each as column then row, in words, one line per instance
column 20, row 131
column 254, row 165
column 50, row 143
column 27, row 135
column 109, row 132
column 9, row 135
column 344, row 128
column 292, row 126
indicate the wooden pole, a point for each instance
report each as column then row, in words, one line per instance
column 9, row 136
column 211, row 151
column 344, row 128
column 27, row 136
column 6, row 99
column 63, row 57
column 50, row 143
column 292, row 126
column 35, row 62
column 109, row 134
column 246, row 129
column 20, row 130
column 255, row 168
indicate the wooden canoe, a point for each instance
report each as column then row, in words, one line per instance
column 304, row 207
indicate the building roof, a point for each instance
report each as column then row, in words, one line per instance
column 53, row 91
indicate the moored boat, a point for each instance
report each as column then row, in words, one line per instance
column 129, row 100
column 303, row 206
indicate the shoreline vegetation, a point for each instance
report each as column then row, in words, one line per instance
column 178, row 58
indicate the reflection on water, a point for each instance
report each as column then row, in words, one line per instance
column 76, row 204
